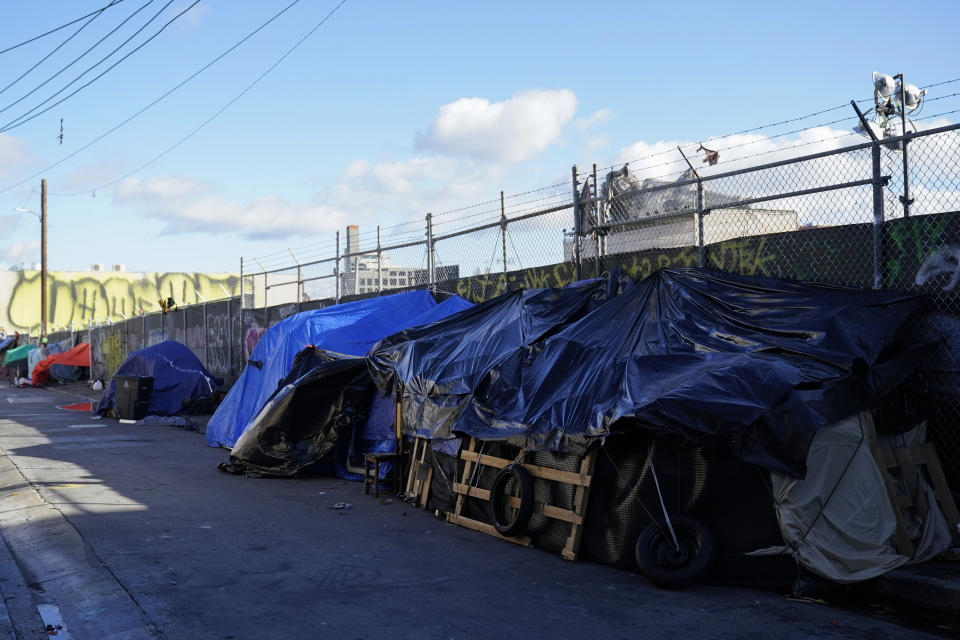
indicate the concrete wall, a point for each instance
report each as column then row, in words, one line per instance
column 76, row 297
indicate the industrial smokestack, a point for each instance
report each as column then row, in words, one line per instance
column 353, row 239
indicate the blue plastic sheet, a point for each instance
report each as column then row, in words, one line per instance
column 350, row 328
column 754, row 365
column 178, row 377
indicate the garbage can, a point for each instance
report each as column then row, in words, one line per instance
column 133, row 396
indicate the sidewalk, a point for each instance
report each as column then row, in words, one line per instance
column 129, row 527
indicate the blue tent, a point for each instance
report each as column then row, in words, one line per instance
column 350, row 328
column 178, row 377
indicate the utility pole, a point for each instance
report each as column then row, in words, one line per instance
column 43, row 259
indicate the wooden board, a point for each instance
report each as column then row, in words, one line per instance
column 909, row 465
column 574, row 517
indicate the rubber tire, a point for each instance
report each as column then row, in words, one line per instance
column 521, row 478
column 660, row 562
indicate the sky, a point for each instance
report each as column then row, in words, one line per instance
column 390, row 110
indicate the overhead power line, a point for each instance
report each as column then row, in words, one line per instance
column 55, row 49
column 227, row 105
column 155, row 102
column 63, row 26
column 22, row 119
column 75, row 60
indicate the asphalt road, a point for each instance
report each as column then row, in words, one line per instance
column 128, row 531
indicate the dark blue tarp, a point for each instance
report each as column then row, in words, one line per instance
column 349, row 329
column 178, row 377
column 752, row 364
column 441, row 365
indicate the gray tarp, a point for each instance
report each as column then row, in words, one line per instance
column 852, row 539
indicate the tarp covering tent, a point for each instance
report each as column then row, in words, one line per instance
column 349, row 329
column 17, row 357
column 179, row 378
column 440, row 365
column 755, row 363
column 78, row 356
column 324, row 394
column 34, row 358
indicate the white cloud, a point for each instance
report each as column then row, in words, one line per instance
column 187, row 205
column 508, row 131
column 196, row 15
column 596, row 142
column 14, row 155
column 597, row 117
column 19, row 252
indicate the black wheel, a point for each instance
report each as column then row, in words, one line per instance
column 667, row 565
column 515, row 481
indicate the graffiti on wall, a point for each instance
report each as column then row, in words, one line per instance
column 76, row 298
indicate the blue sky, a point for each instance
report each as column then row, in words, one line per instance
column 394, row 109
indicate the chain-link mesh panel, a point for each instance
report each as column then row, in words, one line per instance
column 472, row 264
column 218, row 342
column 934, row 163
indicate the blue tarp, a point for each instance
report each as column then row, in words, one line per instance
column 752, row 364
column 350, row 329
column 178, row 377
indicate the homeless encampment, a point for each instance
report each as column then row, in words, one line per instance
column 716, row 381
column 348, row 329
column 324, row 393
column 15, row 359
column 78, row 356
column 180, row 381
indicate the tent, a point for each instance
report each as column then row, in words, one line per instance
column 349, row 329
column 78, row 356
column 16, row 358
column 179, row 378
column 329, row 400
column 757, row 362
column 439, row 366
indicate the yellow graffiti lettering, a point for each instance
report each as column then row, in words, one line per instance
column 78, row 298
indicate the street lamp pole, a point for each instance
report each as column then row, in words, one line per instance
column 43, row 259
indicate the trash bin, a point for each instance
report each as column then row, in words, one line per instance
column 133, row 396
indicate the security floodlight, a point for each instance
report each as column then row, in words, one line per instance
column 883, row 85
column 912, row 96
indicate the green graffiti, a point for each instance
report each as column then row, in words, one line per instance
column 911, row 240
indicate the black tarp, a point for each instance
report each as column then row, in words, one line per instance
column 754, row 365
column 324, row 394
column 440, row 365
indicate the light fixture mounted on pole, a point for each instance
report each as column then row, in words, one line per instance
column 893, row 97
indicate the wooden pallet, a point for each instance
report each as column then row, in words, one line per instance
column 581, row 482
column 908, row 463
column 421, row 474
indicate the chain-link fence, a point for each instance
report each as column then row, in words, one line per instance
column 848, row 216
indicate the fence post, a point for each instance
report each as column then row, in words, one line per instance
column 905, row 199
column 206, row 341
column 577, row 267
column 503, row 231
column 431, row 276
column 299, row 278
column 701, row 248
column 230, row 337
column 336, row 270
column 878, row 184
column 595, row 207
column 242, row 290
column 379, row 263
